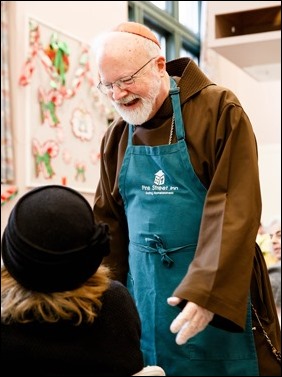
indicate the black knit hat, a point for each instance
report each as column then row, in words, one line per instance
column 51, row 242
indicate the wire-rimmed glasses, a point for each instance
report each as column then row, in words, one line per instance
column 122, row 83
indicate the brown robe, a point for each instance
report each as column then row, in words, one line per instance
column 228, row 265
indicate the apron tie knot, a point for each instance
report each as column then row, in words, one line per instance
column 157, row 244
column 166, row 260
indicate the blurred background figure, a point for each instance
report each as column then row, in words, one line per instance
column 275, row 268
column 264, row 241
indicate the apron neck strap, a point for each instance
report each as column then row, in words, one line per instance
column 175, row 98
column 179, row 127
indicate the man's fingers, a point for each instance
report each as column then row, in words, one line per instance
column 177, row 323
column 187, row 331
column 190, row 322
column 187, row 314
column 173, row 301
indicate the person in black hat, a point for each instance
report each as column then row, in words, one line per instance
column 61, row 313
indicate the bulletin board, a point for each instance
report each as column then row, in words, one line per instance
column 66, row 114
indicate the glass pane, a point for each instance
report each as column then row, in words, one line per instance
column 189, row 15
column 187, row 54
column 159, row 4
column 161, row 38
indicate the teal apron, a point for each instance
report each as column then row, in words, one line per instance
column 164, row 201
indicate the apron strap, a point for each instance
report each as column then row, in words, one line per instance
column 179, row 126
column 130, row 133
column 174, row 95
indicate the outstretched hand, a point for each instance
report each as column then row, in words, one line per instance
column 190, row 321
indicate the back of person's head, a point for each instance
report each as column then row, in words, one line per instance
column 51, row 242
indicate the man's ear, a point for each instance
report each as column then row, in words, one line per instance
column 161, row 63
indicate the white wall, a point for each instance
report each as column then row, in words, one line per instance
column 82, row 20
column 262, row 103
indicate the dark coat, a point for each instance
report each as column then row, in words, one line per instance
column 109, row 347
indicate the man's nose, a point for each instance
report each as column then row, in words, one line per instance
column 118, row 93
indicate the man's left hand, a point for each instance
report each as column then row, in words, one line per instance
column 190, row 321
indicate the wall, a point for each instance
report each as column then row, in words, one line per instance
column 84, row 20
column 262, row 103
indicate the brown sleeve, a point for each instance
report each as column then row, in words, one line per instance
column 219, row 276
column 108, row 205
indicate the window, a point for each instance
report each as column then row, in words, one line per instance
column 175, row 23
column 160, row 4
column 189, row 15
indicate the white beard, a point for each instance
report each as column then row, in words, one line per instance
column 140, row 115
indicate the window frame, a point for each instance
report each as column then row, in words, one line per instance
column 166, row 23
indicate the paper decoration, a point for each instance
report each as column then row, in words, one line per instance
column 8, row 194
column 67, row 115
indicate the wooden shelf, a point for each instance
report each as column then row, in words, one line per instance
column 250, row 39
column 248, row 22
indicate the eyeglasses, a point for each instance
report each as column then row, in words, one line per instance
column 122, row 83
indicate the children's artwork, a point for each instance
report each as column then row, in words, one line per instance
column 66, row 114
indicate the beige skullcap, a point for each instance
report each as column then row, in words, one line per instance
column 138, row 29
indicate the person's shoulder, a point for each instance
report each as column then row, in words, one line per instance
column 225, row 94
column 117, row 295
column 117, row 285
column 117, row 130
column 117, row 125
column 117, row 289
